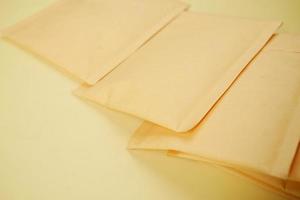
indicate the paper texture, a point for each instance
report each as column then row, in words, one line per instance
column 286, row 188
column 293, row 184
column 255, row 126
column 176, row 77
column 89, row 38
column 295, row 169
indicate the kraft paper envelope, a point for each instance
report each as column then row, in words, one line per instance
column 88, row 38
column 293, row 185
column 287, row 187
column 293, row 188
column 176, row 77
column 255, row 126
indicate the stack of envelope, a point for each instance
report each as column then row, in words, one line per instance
column 216, row 89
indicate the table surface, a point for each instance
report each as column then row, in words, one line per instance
column 54, row 145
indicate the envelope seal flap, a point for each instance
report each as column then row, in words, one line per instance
column 285, row 42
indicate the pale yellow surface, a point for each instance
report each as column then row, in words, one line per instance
column 55, row 146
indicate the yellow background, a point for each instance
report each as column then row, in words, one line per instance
column 55, row 146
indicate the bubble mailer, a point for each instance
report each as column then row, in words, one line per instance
column 254, row 127
column 176, row 77
column 89, row 38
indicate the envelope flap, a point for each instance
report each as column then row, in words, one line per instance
column 286, row 42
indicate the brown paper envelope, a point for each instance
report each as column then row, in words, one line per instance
column 285, row 188
column 293, row 184
column 256, row 123
column 295, row 168
column 89, row 38
column 293, row 187
column 179, row 74
column 270, row 181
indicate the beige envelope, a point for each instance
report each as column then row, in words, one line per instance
column 287, row 188
column 255, row 126
column 89, row 38
column 176, row 77
column 293, row 188
column 293, row 184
